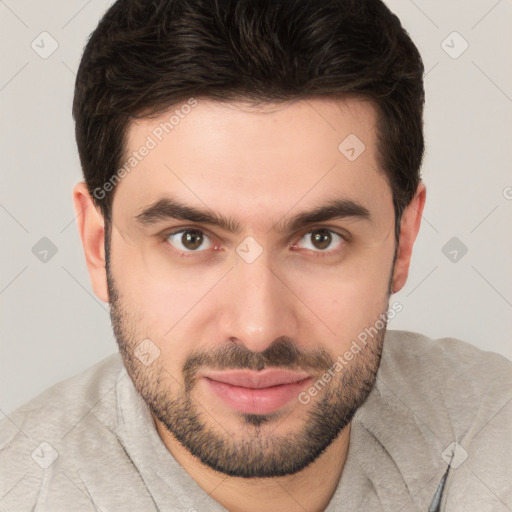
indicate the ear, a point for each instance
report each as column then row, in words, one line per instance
column 409, row 227
column 91, row 227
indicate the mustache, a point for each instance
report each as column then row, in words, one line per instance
column 282, row 353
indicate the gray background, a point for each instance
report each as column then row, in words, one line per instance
column 52, row 324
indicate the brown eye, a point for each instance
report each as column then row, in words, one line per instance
column 322, row 239
column 189, row 239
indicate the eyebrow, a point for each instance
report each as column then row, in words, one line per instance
column 167, row 208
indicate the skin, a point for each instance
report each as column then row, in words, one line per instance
column 269, row 163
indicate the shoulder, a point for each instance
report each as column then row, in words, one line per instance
column 444, row 376
column 38, row 442
column 459, row 398
column 447, row 385
column 56, row 408
column 440, row 411
column 417, row 358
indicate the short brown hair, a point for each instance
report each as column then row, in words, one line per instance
column 148, row 55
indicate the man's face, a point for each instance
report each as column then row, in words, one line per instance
column 212, row 306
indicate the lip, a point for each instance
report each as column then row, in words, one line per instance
column 256, row 392
column 256, row 379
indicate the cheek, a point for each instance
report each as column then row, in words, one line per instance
column 156, row 313
column 349, row 297
column 349, row 307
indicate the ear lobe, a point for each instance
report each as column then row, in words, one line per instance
column 91, row 228
column 409, row 227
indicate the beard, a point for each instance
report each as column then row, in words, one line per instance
column 255, row 451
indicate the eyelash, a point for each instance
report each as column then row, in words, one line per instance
column 198, row 253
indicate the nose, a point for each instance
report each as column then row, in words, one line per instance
column 257, row 306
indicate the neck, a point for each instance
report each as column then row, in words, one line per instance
column 310, row 489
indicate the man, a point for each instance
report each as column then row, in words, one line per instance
column 251, row 199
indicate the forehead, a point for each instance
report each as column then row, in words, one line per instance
column 237, row 158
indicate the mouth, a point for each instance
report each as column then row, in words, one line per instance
column 256, row 392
